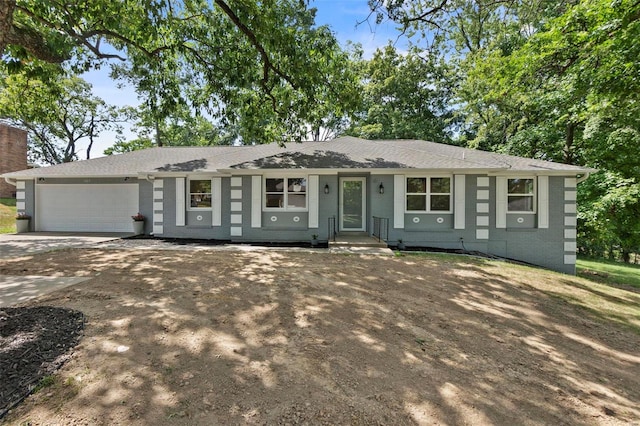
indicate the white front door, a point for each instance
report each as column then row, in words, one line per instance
column 353, row 204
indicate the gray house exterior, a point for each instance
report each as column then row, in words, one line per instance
column 425, row 194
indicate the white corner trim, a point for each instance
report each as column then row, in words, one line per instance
column 181, row 204
column 314, row 201
column 460, row 201
column 501, row 202
column 570, row 183
column 399, row 186
column 256, row 201
column 543, row 202
column 216, row 212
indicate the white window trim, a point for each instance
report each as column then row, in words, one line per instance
column 285, row 192
column 188, row 196
column 428, row 194
column 534, row 195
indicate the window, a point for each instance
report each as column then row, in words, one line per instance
column 520, row 195
column 429, row 194
column 200, row 194
column 286, row 193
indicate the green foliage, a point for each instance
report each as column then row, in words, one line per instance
column 47, row 381
column 262, row 69
column 121, row 147
column 405, row 97
column 60, row 114
column 549, row 80
column 608, row 216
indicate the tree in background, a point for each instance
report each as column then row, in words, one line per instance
column 406, row 96
column 550, row 80
column 62, row 116
column 609, row 225
column 262, row 68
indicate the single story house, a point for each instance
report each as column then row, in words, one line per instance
column 423, row 193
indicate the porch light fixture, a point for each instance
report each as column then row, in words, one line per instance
column 326, row 188
column 381, row 188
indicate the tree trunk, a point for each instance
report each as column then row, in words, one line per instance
column 32, row 41
column 6, row 22
column 626, row 256
column 158, row 138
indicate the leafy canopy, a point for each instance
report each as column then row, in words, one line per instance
column 262, row 67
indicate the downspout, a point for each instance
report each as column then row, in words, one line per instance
column 583, row 178
column 10, row 181
column 150, row 178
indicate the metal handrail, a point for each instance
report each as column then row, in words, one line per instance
column 381, row 228
column 332, row 228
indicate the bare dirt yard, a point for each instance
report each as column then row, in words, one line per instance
column 274, row 337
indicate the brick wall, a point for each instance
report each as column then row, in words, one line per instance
column 13, row 156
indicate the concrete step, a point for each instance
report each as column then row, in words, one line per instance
column 356, row 239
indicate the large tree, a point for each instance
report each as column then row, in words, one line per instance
column 263, row 67
column 551, row 80
column 62, row 116
column 406, row 96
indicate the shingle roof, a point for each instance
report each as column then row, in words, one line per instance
column 345, row 152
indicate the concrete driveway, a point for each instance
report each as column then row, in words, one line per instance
column 18, row 289
column 17, row 245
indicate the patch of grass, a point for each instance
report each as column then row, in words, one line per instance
column 607, row 302
column 8, row 202
column 7, row 215
column 46, row 382
column 608, row 272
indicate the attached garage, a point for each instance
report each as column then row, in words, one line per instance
column 86, row 207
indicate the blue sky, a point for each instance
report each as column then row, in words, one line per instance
column 342, row 16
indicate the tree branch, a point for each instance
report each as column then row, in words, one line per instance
column 423, row 17
column 267, row 63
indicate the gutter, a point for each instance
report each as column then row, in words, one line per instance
column 583, row 177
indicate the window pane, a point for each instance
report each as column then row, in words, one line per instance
column 275, row 200
column 417, row 202
column 520, row 186
column 297, row 185
column 417, row 185
column 201, row 186
column 441, row 185
column 275, row 185
column 200, row 200
column 520, row 203
column 440, row 203
column 296, row 200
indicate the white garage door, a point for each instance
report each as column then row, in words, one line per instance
column 86, row 208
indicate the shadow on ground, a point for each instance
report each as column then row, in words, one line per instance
column 270, row 337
